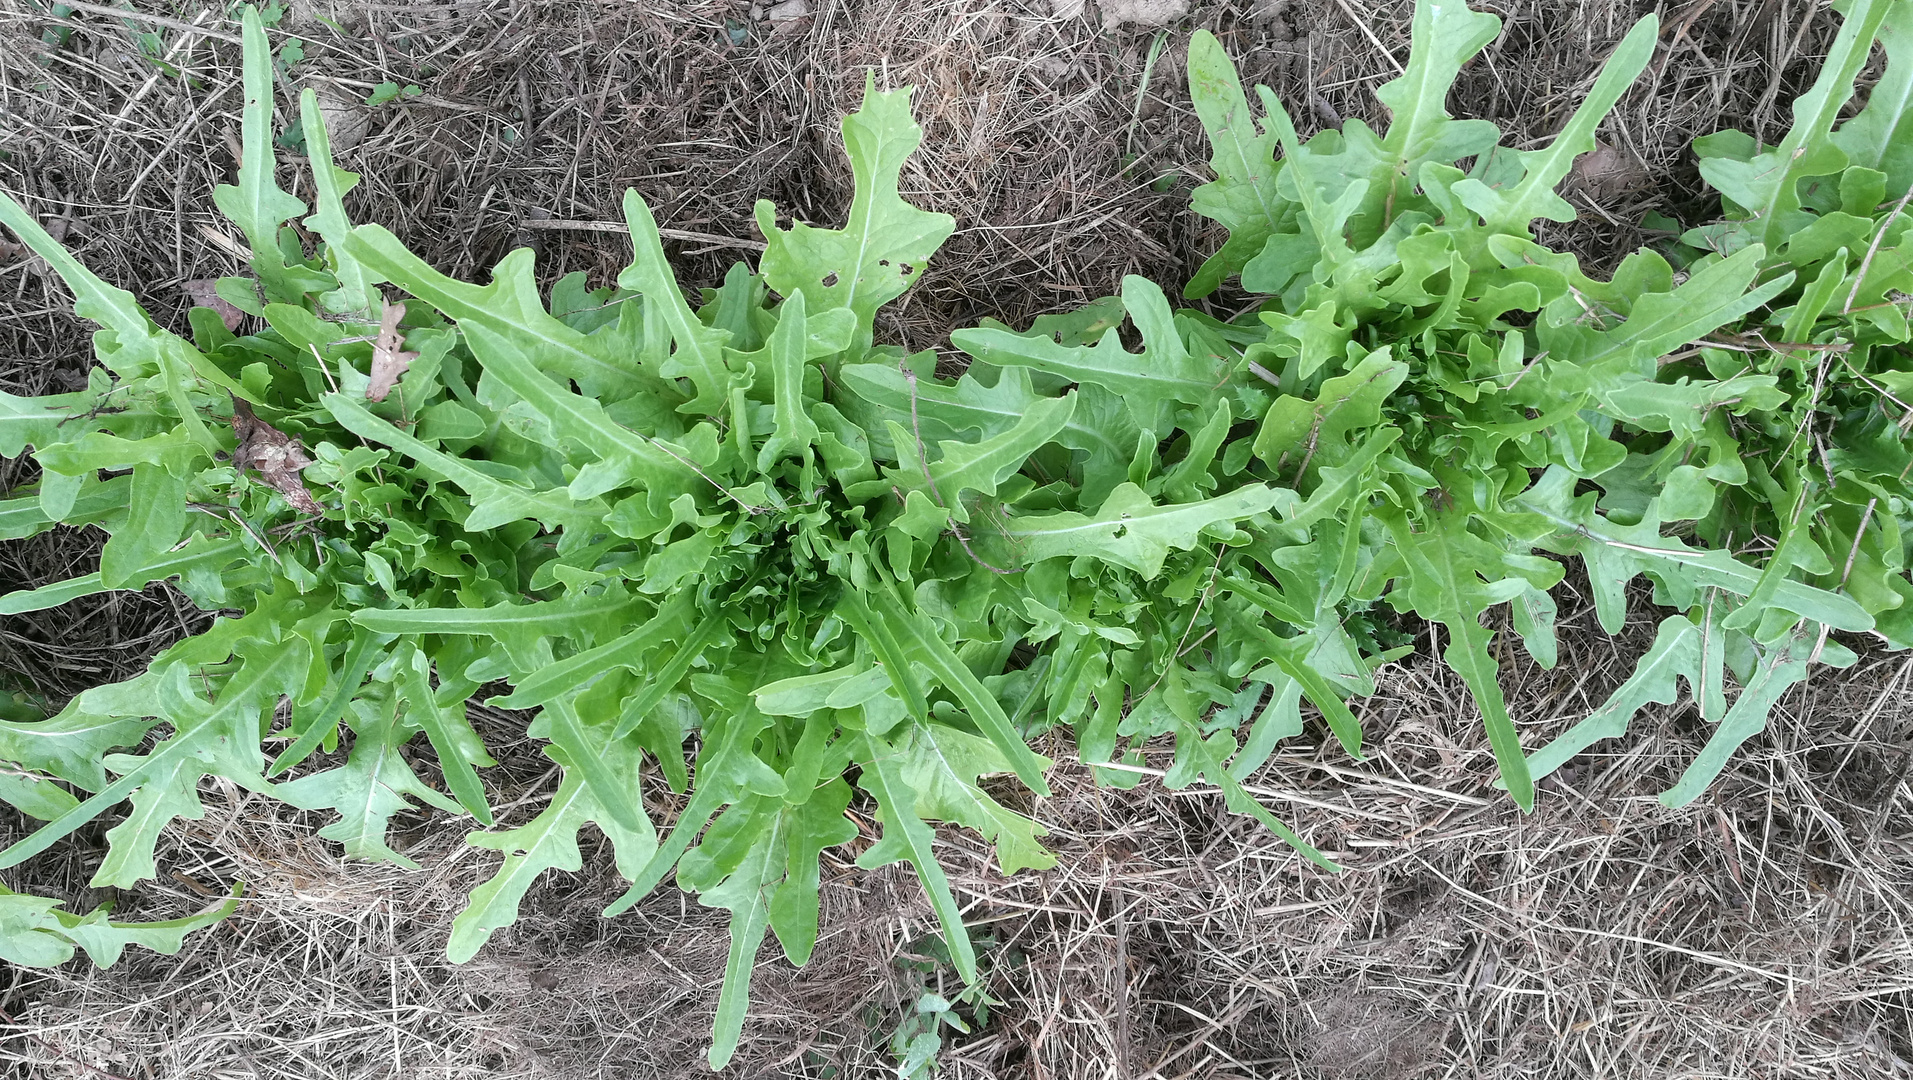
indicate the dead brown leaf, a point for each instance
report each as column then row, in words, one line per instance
column 204, row 292
column 389, row 359
column 275, row 456
column 1607, row 172
column 1142, row 12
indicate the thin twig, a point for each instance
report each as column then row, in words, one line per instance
column 1872, row 250
column 669, row 234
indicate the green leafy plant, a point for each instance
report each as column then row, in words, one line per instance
column 933, row 1006
column 736, row 546
column 391, row 91
column 1475, row 400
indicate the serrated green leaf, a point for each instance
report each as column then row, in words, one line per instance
column 885, row 245
column 919, row 642
column 794, row 431
column 1444, row 584
column 548, row 841
column 1512, row 211
column 699, row 355
column 105, row 940
column 355, row 295
column 1881, row 136
column 942, row 764
column 906, row 838
column 257, row 204
column 1767, row 186
column 1128, row 530
column 208, row 737
column 370, row 787
column 1242, row 197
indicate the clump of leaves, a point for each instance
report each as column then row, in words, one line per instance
column 1456, row 403
column 734, row 547
column 738, row 547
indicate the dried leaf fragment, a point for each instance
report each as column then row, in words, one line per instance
column 275, row 456
column 389, row 358
column 1142, row 12
column 204, row 292
column 1607, row 172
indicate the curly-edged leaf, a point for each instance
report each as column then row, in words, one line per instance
column 522, row 346
column 1444, row 583
column 155, row 518
column 1150, row 382
column 727, row 767
column 1513, row 209
column 518, row 627
column 1319, row 432
column 458, row 747
column 970, row 466
column 1776, row 671
column 628, row 650
column 813, row 825
column 319, row 723
column 1099, row 427
column 257, row 204
column 794, row 431
column 884, row 247
column 1208, row 759
column 1446, row 35
column 104, row 940
column 746, row 894
column 1767, row 186
column 1129, row 529
column 699, row 355
column 70, row 745
column 1678, row 653
column 30, row 931
column 95, row 500
column 32, row 421
column 495, row 502
column 370, row 787
column 1296, row 657
column 219, row 736
column 355, row 295
column 919, row 642
column 1616, row 553
column 1242, row 197
column 590, row 744
column 1662, row 322
column 942, row 764
column 34, row 795
column 907, row 838
column 1881, row 136
column 511, row 315
column 546, row 842
column 131, row 344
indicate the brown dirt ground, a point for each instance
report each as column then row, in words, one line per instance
column 1762, row 932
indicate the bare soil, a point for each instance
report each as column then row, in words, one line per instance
column 1762, row 932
